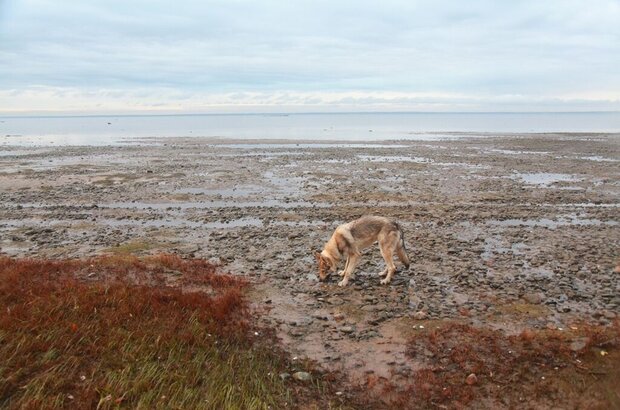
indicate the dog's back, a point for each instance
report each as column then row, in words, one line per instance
column 370, row 226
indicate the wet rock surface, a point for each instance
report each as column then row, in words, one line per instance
column 509, row 231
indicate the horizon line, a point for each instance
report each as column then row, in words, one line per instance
column 283, row 114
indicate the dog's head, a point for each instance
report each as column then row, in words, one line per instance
column 326, row 265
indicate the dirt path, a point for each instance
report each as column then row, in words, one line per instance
column 510, row 231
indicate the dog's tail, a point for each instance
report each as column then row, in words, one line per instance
column 402, row 249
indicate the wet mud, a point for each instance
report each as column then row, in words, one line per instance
column 508, row 231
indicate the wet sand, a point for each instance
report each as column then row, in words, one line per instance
column 508, row 231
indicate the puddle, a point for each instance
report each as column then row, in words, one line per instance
column 336, row 161
column 462, row 165
column 388, row 158
column 266, row 154
column 570, row 220
column 270, row 203
column 288, row 185
column 307, row 145
column 544, row 178
column 494, row 246
column 235, row 192
column 582, row 205
column 598, row 158
column 515, row 152
column 155, row 223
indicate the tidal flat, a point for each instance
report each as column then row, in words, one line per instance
column 515, row 231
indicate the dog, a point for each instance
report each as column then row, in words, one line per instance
column 351, row 238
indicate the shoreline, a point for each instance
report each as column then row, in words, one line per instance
column 13, row 142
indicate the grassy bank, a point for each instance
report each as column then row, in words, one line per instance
column 122, row 331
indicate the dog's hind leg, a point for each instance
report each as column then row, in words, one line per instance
column 401, row 250
column 387, row 254
column 402, row 255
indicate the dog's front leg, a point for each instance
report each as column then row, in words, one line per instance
column 346, row 266
column 352, row 262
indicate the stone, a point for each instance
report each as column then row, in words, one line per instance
column 421, row 315
column 579, row 344
column 302, row 376
column 471, row 379
column 535, row 298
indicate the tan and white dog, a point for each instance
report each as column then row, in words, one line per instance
column 351, row 238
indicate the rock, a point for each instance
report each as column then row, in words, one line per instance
column 285, row 376
column 302, row 376
column 346, row 329
column 579, row 344
column 534, row 298
column 338, row 317
column 471, row 379
column 421, row 315
column 609, row 314
column 428, row 353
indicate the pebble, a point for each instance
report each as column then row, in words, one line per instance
column 535, row 298
column 421, row 315
column 578, row 344
column 302, row 376
column 471, row 379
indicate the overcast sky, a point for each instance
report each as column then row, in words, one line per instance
column 236, row 55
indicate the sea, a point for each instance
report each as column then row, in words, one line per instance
column 128, row 129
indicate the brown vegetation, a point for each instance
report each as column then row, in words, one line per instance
column 537, row 368
column 161, row 331
column 69, row 339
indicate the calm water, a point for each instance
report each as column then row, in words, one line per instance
column 97, row 130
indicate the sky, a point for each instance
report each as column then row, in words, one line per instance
column 205, row 56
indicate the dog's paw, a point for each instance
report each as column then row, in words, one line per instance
column 386, row 281
column 383, row 272
column 343, row 282
column 341, row 273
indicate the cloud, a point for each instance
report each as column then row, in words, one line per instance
column 38, row 100
column 214, row 49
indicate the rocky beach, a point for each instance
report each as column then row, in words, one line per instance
column 507, row 231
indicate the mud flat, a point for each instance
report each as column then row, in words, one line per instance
column 508, row 231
